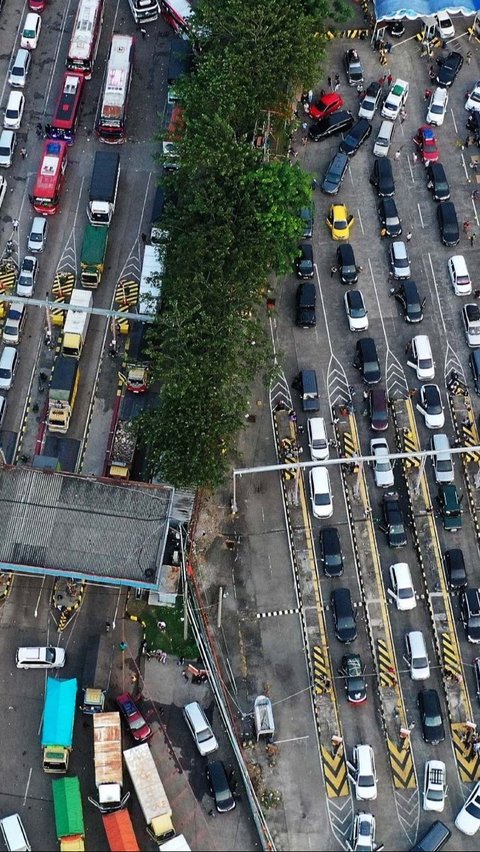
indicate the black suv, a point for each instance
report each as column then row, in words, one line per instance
column 353, row 67
column 412, row 304
column 437, row 182
column 355, row 137
column 455, row 568
column 431, row 717
column 334, row 123
column 334, row 175
column 304, row 263
column 388, row 215
column 366, row 360
column 347, row 266
column 470, row 614
column 331, row 552
column 448, row 69
column 343, row 616
column 394, row 526
column 448, row 223
column 306, row 298
column 382, row 178
column 353, row 671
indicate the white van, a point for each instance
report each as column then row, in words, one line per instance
column 14, row 323
column 17, row 76
column 443, row 463
column 421, row 358
column 14, row 834
column 14, row 110
column 459, row 275
column 402, row 590
column 417, row 656
column 384, row 139
column 200, row 728
column 8, row 365
column 317, row 438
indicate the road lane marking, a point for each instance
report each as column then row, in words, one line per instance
column 27, row 787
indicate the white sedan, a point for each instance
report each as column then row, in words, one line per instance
column 473, row 98
column 468, row 820
column 382, row 466
column 437, row 107
column 431, row 406
column 355, row 310
column 444, row 25
column 471, row 324
column 434, row 787
column 363, row 835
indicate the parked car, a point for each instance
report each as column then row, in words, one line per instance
column 339, row 221
column 455, row 569
column 331, row 555
column 353, row 671
column 459, row 275
column 366, row 360
column 28, row 276
column 472, row 101
column 389, row 218
column 402, row 590
column 38, row 234
column 442, row 463
column 304, row 263
column 394, row 525
column 434, row 786
column 431, row 718
column 337, row 122
column 363, row 833
column 431, row 407
column 353, row 67
column 437, row 182
column 365, row 773
column 321, row 492
column 306, row 298
column 449, row 506
column 219, row 786
column 347, row 265
column 371, row 101
column 40, row 658
column 138, row 727
column 437, row 107
column 326, row 105
column 444, row 26
column 448, row 68
column 382, row 466
column 306, row 216
column 382, row 177
column 412, row 304
column 31, row 31
column 468, row 819
column 334, row 174
column 471, row 324
column 317, row 439
column 426, row 142
column 399, row 260
column 14, row 110
column 470, row 614
column 396, row 99
column 8, row 142
column 356, row 311
column 355, row 137
column 344, row 618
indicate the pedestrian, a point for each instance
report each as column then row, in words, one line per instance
column 468, row 56
column 144, row 238
column 382, row 80
column 475, row 194
column 15, row 224
column 466, row 226
column 397, row 154
column 428, row 94
column 474, row 166
column 107, row 627
column 414, row 158
column 403, row 115
column 304, row 139
column 389, row 79
column 360, row 88
column 333, row 270
column 310, row 96
column 383, row 232
column 473, row 237
column 329, row 81
column 432, row 73
column 359, row 269
column 143, row 33
column 23, row 152
column 185, row 675
column 134, row 678
column 408, row 236
column 337, row 80
column 163, row 657
column 304, row 126
column 466, row 144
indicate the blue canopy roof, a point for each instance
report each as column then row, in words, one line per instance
column 386, row 10
column 59, row 712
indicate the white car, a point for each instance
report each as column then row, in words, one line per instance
column 8, row 141
column 437, row 107
column 3, row 188
column 363, row 833
column 38, row 234
column 321, row 492
column 364, row 774
column 459, row 275
column 434, row 787
column 472, row 101
column 468, row 820
column 395, row 100
column 40, row 658
column 431, row 406
column 31, row 31
column 382, row 466
column 355, row 310
column 471, row 324
column 369, row 104
column 445, row 28
column 402, row 590
column 28, row 276
column 14, row 110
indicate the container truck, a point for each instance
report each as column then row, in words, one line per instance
column 150, row 792
column 61, row 393
column 122, row 452
column 119, row 830
column 76, row 323
column 107, row 756
column 92, row 258
column 57, row 726
column 67, row 805
column 96, row 673
column 103, row 188
column 150, row 280
column 177, row 844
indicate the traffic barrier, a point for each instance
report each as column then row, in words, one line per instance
column 451, row 663
column 321, row 679
column 473, row 34
column 361, row 33
column 470, row 440
column 350, row 448
column 62, row 288
column 410, row 446
column 385, row 664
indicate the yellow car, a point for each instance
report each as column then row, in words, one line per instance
column 339, row 221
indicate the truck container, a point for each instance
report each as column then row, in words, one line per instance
column 76, row 323
column 61, row 393
column 176, row 844
column 107, row 756
column 150, row 792
column 119, row 830
column 179, row 63
column 150, row 280
column 122, row 452
column 57, row 726
column 67, row 805
column 92, row 258
column 103, row 188
column 96, row 673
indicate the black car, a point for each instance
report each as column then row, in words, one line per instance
column 366, row 360
column 353, row 671
column 355, row 137
column 334, row 123
column 433, row 731
column 347, row 266
column 408, row 296
column 389, row 218
column 334, row 174
column 304, row 263
column 455, row 568
column 331, row 555
column 220, row 786
column 353, row 67
column 394, row 525
column 343, row 616
column 396, row 29
column 448, row 223
column 306, row 298
column 382, row 177
column 470, row 614
column 306, row 216
column 378, row 405
column 437, row 182
column 448, row 69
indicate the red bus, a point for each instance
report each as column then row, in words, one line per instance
column 67, row 110
column 176, row 13
column 112, row 118
column 46, row 193
column 85, row 37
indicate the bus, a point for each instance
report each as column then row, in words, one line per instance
column 46, row 193
column 111, row 121
column 176, row 13
column 85, row 37
column 144, row 11
column 67, row 110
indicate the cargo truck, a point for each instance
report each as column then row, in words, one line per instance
column 177, row 844
column 61, row 393
column 122, row 452
column 107, row 756
column 92, row 258
column 103, row 188
column 96, row 674
column 150, row 280
column 67, row 805
column 57, row 725
column 119, row 830
column 76, row 324
column 150, row 792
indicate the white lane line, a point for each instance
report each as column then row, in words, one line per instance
column 420, row 214
column 360, row 220
column 411, row 170
column 378, row 303
column 475, row 211
column 28, row 785
column 464, row 166
column 454, row 122
column 440, row 312
column 39, row 595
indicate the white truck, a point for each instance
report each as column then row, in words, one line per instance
column 150, row 280
column 76, row 323
column 150, row 792
column 177, row 844
column 107, row 756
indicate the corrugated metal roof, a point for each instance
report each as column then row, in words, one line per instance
column 59, row 712
column 67, row 803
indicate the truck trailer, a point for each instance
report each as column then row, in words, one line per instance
column 96, row 673
column 61, row 393
column 67, row 805
column 103, row 188
column 76, row 323
column 57, row 726
column 119, row 830
column 150, row 792
column 92, row 257
column 107, row 756
column 122, row 452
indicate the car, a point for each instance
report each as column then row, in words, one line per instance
column 334, row 174
column 339, row 221
column 444, row 26
column 18, row 72
column 306, row 217
column 317, row 439
column 437, row 182
column 40, row 658
column 442, row 462
column 8, row 142
column 396, row 28
column 382, row 466
column 394, row 525
column 417, row 655
column 31, row 31
column 378, row 406
column 420, row 357
column 476, row 675
column 38, row 234
column 353, row 671
column 395, row 100
column 37, row 5
column 437, row 107
column 434, row 786
column 470, row 614
column 455, row 568
column 346, row 264
column 471, row 324
column 321, row 492
column 426, row 142
column 472, row 100
column 331, row 555
column 382, row 177
column 408, row 296
column 27, row 276
column 448, row 223
column 449, row 502
column 370, row 101
column 366, row 360
column 468, row 819
column 337, row 122
column 3, row 188
column 344, row 618
column 326, row 105
column 365, row 776
column 353, row 67
column 14, row 110
column 399, row 260
column 448, row 68
column 219, row 786
column 431, row 407
column 363, row 833
column 389, row 218
column 138, row 727
column 355, row 137
column 356, row 311
column 200, row 728
column 459, row 275
column 304, row 263
column 431, row 719
column 402, row 590
column 473, row 125
column 306, row 298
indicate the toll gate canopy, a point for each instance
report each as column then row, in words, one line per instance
column 388, row 10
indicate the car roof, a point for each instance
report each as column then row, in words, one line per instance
column 329, row 98
column 472, row 597
column 378, row 396
column 431, row 390
column 355, row 298
column 345, row 252
column 436, row 169
column 333, row 119
column 320, row 477
column 410, row 289
column 330, row 536
column 430, row 698
column 373, row 89
column 307, row 250
column 366, row 345
column 399, row 248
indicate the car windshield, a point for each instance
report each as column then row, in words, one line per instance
column 419, row 662
column 35, row 237
column 443, row 465
column 436, row 108
column 401, row 262
column 370, row 366
column 392, row 220
column 368, row 104
column 340, row 224
column 414, row 306
column 475, row 95
column 474, row 621
column 49, row 655
column 473, row 809
column 433, row 721
column 396, row 529
column 435, row 795
column 322, row 499
column 474, row 329
column 383, row 466
column 355, row 313
column 425, row 363
column 203, row 736
column 137, row 723
column 404, row 594
column 346, row 622
column 366, row 781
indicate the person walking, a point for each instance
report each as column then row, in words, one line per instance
column 466, row 226
column 333, row 270
column 414, row 158
column 427, row 94
column 23, row 152
column 408, row 236
column 473, row 237
column 337, row 80
column 389, row 79
column 329, row 81
column 397, row 155
column 468, row 56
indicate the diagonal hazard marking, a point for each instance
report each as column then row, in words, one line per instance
column 335, row 772
column 467, row 761
column 401, row 762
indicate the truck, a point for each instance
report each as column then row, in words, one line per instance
column 150, row 280
column 107, row 756
column 177, row 844
column 92, row 257
column 122, row 452
column 119, row 830
column 150, row 792
column 57, row 725
column 96, row 674
column 179, row 63
column 103, row 188
column 67, row 805
column 144, row 11
column 62, row 392
column 76, row 324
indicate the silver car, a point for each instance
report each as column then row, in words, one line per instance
column 38, row 234
column 399, row 260
column 382, row 466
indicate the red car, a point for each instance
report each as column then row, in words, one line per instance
column 37, row 5
column 326, row 105
column 139, row 728
column 427, row 144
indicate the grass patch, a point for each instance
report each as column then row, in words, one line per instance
column 171, row 639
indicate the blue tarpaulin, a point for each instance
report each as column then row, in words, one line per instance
column 59, row 712
column 386, row 10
